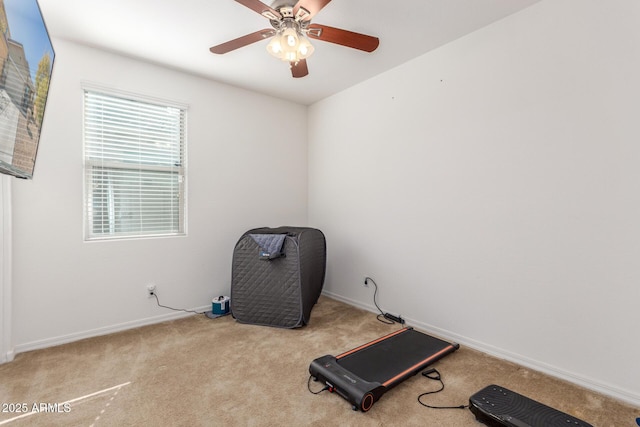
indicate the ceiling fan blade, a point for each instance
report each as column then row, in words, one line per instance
column 311, row 6
column 242, row 41
column 343, row 37
column 261, row 8
column 300, row 69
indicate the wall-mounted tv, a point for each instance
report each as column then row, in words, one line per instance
column 26, row 62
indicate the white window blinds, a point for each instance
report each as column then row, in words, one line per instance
column 134, row 167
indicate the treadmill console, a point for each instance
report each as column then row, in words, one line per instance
column 360, row 393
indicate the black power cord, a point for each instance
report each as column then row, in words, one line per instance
column 383, row 317
column 433, row 374
column 174, row 309
column 326, row 387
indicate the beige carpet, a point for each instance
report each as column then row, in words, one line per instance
column 201, row 372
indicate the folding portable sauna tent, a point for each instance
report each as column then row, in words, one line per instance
column 277, row 275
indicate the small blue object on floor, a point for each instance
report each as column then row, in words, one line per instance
column 638, row 421
column 212, row 315
column 220, row 305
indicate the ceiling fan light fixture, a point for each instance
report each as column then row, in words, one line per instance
column 290, row 38
column 305, row 48
column 290, row 45
column 275, row 47
column 290, row 28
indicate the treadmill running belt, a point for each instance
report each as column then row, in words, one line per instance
column 379, row 363
column 364, row 374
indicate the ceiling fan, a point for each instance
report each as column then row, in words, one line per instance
column 292, row 27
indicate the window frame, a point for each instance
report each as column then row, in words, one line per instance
column 87, row 163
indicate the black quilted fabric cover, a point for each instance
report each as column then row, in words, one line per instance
column 279, row 292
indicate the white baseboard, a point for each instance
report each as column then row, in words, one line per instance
column 588, row 383
column 7, row 357
column 65, row 339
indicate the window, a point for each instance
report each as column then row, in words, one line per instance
column 134, row 167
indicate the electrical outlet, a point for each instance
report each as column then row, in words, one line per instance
column 366, row 282
column 151, row 289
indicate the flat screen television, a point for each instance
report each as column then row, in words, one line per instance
column 26, row 63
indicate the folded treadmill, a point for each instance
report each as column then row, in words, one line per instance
column 364, row 374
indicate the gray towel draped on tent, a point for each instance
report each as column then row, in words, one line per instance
column 270, row 245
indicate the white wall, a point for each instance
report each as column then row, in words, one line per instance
column 6, row 347
column 243, row 172
column 490, row 188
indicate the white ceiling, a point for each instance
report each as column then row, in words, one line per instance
column 179, row 34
